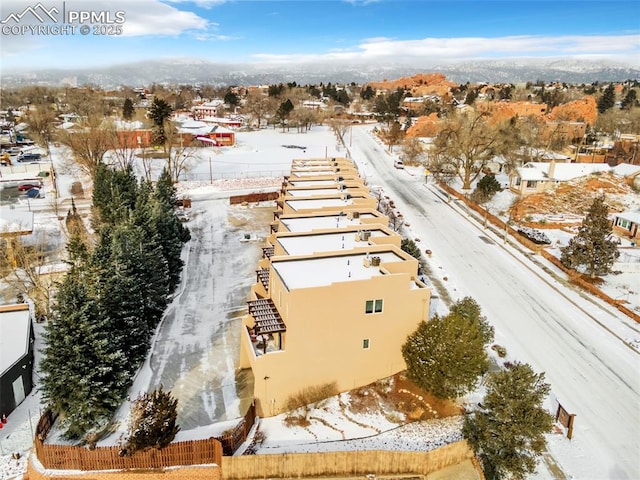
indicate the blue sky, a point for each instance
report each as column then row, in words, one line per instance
column 288, row 31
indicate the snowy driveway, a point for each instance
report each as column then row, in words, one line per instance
column 196, row 351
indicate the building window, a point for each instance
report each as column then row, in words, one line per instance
column 531, row 184
column 365, row 343
column 373, row 306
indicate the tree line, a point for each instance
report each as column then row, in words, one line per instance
column 108, row 305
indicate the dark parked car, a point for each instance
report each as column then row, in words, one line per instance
column 29, row 157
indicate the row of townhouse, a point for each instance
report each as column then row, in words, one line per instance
column 335, row 296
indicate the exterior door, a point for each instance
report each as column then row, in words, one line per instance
column 18, row 390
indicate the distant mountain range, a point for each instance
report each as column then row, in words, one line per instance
column 194, row 71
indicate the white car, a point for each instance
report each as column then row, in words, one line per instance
column 398, row 164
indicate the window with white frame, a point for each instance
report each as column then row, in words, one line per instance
column 373, row 306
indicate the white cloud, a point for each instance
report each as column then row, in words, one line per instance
column 214, row 37
column 620, row 46
column 155, row 18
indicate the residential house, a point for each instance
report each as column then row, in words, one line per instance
column 331, row 318
column 627, row 224
column 16, row 355
column 207, row 109
column 538, row 177
column 142, row 138
column 231, row 123
column 192, row 130
column 563, row 132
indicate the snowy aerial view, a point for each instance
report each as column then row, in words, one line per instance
column 586, row 348
column 331, row 239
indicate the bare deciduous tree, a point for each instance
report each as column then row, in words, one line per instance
column 259, row 107
column 178, row 155
column 24, row 270
column 413, row 151
column 89, row 142
column 464, row 145
column 41, row 122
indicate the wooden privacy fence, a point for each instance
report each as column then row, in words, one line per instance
column 233, row 439
column 67, row 457
column 348, row 463
column 254, row 197
column 572, row 274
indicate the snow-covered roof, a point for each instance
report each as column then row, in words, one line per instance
column 630, row 216
column 15, row 221
column 326, row 242
column 189, row 124
column 15, row 321
column 562, row 172
column 626, row 170
column 310, row 173
column 542, row 153
column 319, row 203
column 211, row 103
column 311, row 183
column 313, row 222
column 323, row 271
column 210, row 119
column 128, row 125
column 311, row 192
column 531, row 173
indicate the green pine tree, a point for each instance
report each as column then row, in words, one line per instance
column 409, row 246
column 84, row 377
column 165, row 189
column 607, row 100
column 127, row 109
column 152, row 422
column 114, row 195
column 485, row 189
column 593, row 247
column 630, row 100
column 447, row 355
column 159, row 112
column 121, row 291
column 507, row 432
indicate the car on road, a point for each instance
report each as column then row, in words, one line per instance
column 28, row 186
column 398, row 164
column 29, row 157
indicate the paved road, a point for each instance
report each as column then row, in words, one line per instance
column 541, row 322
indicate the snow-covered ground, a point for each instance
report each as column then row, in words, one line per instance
column 241, row 169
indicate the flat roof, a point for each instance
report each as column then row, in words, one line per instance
column 318, row 203
column 323, row 271
column 308, row 224
column 14, row 334
column 310, row 192
column 326, row 242
column 309, row 183
column 312, row 173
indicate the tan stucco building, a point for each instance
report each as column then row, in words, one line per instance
column 334, row 300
